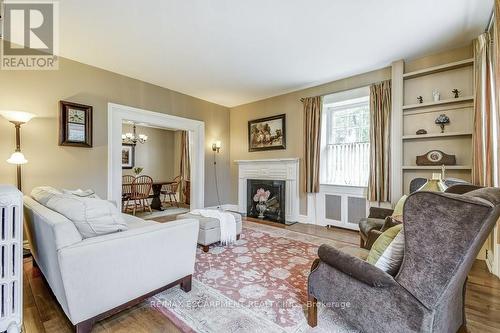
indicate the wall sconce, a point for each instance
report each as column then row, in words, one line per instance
column 216, row 146
column 17, row 118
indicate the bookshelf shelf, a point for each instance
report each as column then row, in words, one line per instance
column 442, row 102
column 435, row 135
column 438, row 69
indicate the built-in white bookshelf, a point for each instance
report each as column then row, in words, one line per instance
column 413, row 116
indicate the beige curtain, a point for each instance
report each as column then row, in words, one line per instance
column 312, row 133
column 380, row 152
column 185, row 167
column 485, row 155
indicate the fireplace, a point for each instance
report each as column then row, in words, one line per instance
column 282, row 169
column 266, row 199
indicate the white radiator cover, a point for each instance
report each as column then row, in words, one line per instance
column 11, row 259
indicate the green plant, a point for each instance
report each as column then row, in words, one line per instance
column 137, row 170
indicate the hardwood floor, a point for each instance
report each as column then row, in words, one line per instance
column 42, row 313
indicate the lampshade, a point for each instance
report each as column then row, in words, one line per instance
column 17, row 116
column 216, row 145
column 433, row 185
column 17, row 158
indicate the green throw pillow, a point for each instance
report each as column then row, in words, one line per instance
column 382, row 243
column 398, row 210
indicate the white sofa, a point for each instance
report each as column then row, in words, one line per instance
column 97, row 277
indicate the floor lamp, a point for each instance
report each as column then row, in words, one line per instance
column 17, row 118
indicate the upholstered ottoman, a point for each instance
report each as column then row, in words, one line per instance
column 210, row 229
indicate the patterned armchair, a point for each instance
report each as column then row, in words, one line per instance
column 443, row 235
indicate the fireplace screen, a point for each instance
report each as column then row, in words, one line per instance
column 266, row 199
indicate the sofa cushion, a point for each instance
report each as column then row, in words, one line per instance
column 207, row 222
column 81, row 193
column 134, row 222
column 382, row 243
column 92, row 217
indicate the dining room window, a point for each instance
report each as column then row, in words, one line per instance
column 345, row 148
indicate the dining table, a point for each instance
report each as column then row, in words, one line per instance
column 157, row 185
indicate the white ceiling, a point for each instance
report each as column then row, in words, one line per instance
column 233, row 52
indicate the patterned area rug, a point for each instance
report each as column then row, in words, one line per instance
column 256, row 285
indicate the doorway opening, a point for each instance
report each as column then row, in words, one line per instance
column 119, row 116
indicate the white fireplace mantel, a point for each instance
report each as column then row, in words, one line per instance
column 286, row 169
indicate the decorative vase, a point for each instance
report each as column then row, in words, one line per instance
column 261, row 208
column 436, row 95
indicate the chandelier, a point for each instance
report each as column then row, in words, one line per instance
column 133, row 138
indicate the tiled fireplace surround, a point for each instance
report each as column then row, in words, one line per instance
column 286, row 169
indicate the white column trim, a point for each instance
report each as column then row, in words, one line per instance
column 397, row 131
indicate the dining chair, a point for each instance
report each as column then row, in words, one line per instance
column 126, row 189
column 141, row 188
column 171, row 191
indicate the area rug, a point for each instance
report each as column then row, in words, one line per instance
column 258, row 284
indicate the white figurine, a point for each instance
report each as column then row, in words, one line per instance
column 436, row 95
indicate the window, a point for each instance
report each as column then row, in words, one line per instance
column 345, row 153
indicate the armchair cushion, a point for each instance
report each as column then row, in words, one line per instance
column 398, row 209
column 382, row 243
column 391, row 259
column 355, row 267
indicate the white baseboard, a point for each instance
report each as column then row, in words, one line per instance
column 489, row 263
column 493, row 261
column 304, row 219
column 230, row 207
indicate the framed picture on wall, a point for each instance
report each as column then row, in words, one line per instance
column 267, row 133
column 75, row 125
column 128, row 156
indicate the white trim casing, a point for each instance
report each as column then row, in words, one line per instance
column 397, row 131
column 229, row 207
column 286, row 169
column 118, row 113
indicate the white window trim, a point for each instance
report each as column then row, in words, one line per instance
column 341, row 105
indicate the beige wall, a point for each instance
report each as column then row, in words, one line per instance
column 39, row 92
column 291, row 105
column 157, row 155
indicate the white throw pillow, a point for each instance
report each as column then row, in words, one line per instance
column 392, row 257
column 43, row 194
column 92, row 217
column 81, row 193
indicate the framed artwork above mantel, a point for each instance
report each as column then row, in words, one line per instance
column 75, row 125
column 267, row 133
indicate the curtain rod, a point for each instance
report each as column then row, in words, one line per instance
column 490, row 22
column 344, row 90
